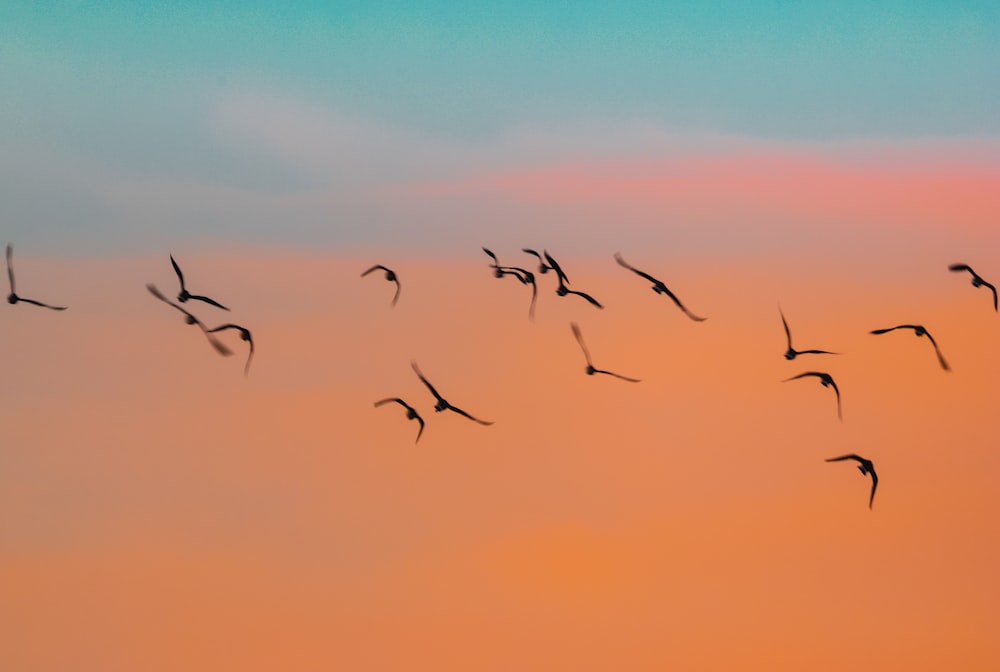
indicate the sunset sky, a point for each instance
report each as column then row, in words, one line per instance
column 161, row 511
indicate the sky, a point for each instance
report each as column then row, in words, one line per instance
column 159, row 510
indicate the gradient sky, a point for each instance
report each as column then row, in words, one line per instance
column 159, row 511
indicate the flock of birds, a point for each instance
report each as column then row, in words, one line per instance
column 546, row 263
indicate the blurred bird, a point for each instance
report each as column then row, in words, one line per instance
column 976, row 280
column 865, row 467
column 442, row 404
column 658, row 287
column 563, row 290
column 410, row 413
column 244, row 335
column 13, row 298
column 542, row 266
column 826, row 380
column 185, row 295
column 191, row 319
column 586, row 353
column 919, row 331
column 390, row 275
column 792, row 353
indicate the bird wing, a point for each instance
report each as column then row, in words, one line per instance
column 788, row 333
column 534, row 296
column 224, row 327
column 624, row 264
column 836, row 389
column 532, row 252
column 618, row 375
column 590, row 299
column 850, row 456
column 961, row 267
column 389, row 400
column 815, row 352
column 419, row 431
column 994, row 290
column 681, row 305
column 579, row 339
column 871, row 497
column 177, row 270
column 376, row 267
column 10, row 266
column 219, row 346
column 461, row 412
column 205, row 299
column 246, row 367
column 937, row 351
column 803, row 375
column 395, row 297
column 886, row 331
column 43, row 305
column 426, row 382
column 555, row 267
column 492, row 256
column 156, row 292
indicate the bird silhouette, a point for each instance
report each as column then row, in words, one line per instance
column 563, row 290
column 826, row 380
column 865, row 467
column 542, row 266
column 792, row 353
column 411, row 414
column 191, row 319
column 442, row 403
column 658, row 287
column 919, row 331
column 524, row 276
column 390, row 275
column 586, row 353
column 244, row 335
column 976, row 280
column 184, row 295
column 13, row 298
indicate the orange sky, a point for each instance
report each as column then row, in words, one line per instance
column 160, row 512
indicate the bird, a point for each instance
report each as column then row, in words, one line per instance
column 13, row 298
column 563, row 290
column 183, row 296
column 244, row 335
column 976, row 280
column 191, row 319
column 411, row 414
column 826, row 380
column 524, row 276
column 542, row 266
column 442, row 404
column 390, row 275
column 792, row 353
column 865, row 467
column 658, row 287
column 919, row 331
column 586, row 353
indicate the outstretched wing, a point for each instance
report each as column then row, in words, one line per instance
column 425, row 381
column 836, row 389
column 871, row 497
column 937, row 351
column 10, row 266
column 376, row 267
column 850, row 456
column 492, row 256
column 624, row 264
column 618, row 375
column 177, row 270
column 205, row 299
column 579, row 339
column 589, row 298
column 395, row 297
column 788, row 333
column 886, row 331
column 421, row 430
column 681, row 305
column 961, row 267
column 43, row 305
column 474, row 419
column 563, row 280
column 994, row 290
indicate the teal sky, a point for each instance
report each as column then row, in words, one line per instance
column 133, row 88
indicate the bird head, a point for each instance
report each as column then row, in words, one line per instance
column 12, row 298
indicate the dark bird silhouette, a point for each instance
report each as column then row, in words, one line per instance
column 919, row 331
column 827, row 381
column 191, row 319
column 410, row 413
column 442, row 403
column 658, row 287
column 390, row 275
column 792, row 353
column 586, row 353
column 865, row 467
column 542, row 266
column 524, row 276
column 562, row 289
column 976, row 280
column 185, row 295
column 13, row 298
column 244, row 335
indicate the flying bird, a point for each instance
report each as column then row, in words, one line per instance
column 13, row 298
column 792, row 353
column 586, row 353
column 442, row 403
column 563, row 290
column 191, row 319
column 244, row 335
column 542, row 266
column 410, row 413
column 390, row 275
column 658, row 287
column 919, row 331
column 976, row 280
column 185, row 295
column 826, row 380
column 524, row 276
column 865, row 467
